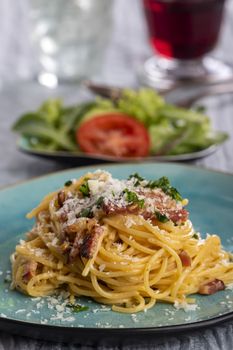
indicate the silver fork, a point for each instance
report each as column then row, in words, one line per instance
column 114, row 93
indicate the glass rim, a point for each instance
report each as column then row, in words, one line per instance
column 185, row 1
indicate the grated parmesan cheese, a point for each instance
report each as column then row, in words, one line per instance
column 186, row 307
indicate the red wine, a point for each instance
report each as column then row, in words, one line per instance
column 183, row 29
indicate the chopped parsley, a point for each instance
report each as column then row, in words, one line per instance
column 78, row 308
column 99, row 202
column 195, row 235
column 161, row 217
column 84, row 189
column 86, row 213
column 137, row 177
column 174, row 194
column 166, row 187
column 68, row 183
column 162, row 183
column 132, row 197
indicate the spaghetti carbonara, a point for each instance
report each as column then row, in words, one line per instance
column 127, row 243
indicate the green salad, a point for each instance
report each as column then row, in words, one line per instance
column 171, row 130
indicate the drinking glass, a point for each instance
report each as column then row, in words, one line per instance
column 69, row 37
column 182, row 33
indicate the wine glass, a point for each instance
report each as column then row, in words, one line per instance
column 182, row 33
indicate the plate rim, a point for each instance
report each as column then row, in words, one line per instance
column 63, row 155
column 62, row 333
column 99, row 165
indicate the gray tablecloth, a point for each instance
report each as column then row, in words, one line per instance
column 126, row 52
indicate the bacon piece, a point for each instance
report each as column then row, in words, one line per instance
column 61, row 197
column 166, row 206
column 179, row 215
column 63, row 217
column 212, row 287
column 175, row 216
column 162, row 203
column 185, row 258
column 147, row 215
column 88, row 233
column 29, row 270
column 112, row 208
column 90, row 242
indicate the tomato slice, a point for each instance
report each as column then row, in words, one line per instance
column 113, row 134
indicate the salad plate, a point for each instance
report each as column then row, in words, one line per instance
column 81, row 158
column 211, row 202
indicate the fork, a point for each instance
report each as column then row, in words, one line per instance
column 114, row 93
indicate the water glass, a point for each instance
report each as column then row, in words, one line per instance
column 69, row 37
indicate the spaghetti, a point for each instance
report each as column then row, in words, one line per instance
column 126, row 243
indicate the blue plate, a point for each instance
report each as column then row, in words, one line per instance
column 211, row 207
